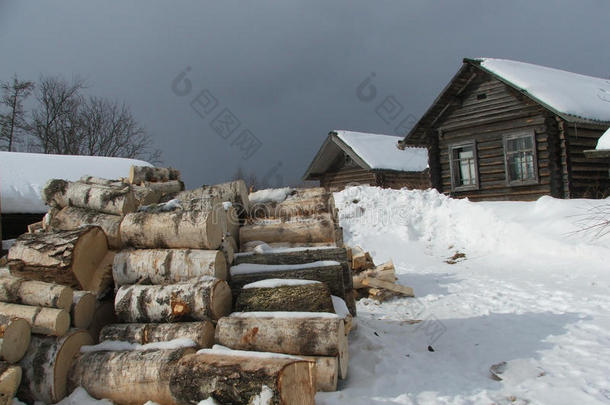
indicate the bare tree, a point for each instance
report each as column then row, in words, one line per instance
column 13, row 123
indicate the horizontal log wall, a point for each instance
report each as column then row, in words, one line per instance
column 398, row 180
column 338, row 180
column 589, row 178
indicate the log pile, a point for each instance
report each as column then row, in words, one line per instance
column 375, row 282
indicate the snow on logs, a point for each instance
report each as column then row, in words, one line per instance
column 14, row 338
column 127, row 377
column 197, row 299
column 70, row 218
column 285, row 295
column 46, row 365
column 77, row 258
column 104, row 198
column 298, row 333
column 202, row 333
column 238, row 378
column 10, row 378
column 45, row 321
column 163, row 266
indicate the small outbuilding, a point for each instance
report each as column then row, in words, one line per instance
column 508, row 130
column 348, row 157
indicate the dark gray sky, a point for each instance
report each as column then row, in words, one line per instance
column 287, row 70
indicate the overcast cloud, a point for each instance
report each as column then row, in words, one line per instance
column 287, row 70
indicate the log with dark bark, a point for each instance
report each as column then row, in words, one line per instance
column 140, row 174
column 14, row 338
column 46, row 365
column 10, row 377
column 238, row 379
column 163, row 266
column 71, row 218
column 312, row 297
column 107, row 199
column 202, row 333
column 18, row 290
column 45, row 321
column 307, row 256
column 305, row 231
column 198, row 299
column 176, row 229
column 74, row 258
column 330, row 273
column 235, row 192
column 82, row 309
column 312, row 334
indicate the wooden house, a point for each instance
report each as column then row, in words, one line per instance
column 348, row 157
column 506, row 130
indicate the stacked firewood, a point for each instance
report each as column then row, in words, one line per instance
column 375, row 282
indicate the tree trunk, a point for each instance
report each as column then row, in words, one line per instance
column 234, row 191
column 202, row 333
column 327, row 372
column 307, row 256
column 10, row 378
column 36, row 293
column 46, row 365
column 140, row 174
column 70, row 218
column 106, row 199
column 127, row 377
column 314, row 335
column 198, row 300
column 103, row 315
column 71, row 258
column 236, row 379
column 82, row 309
column 314, row 297
column 44, row 321
column 330, row 274
column 14, row 338
column 299, row 230
column 163, row 266
column 176, row 229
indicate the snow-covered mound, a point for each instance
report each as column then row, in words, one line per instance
column 528, row 293
column 22, row 175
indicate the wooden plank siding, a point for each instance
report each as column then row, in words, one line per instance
column 589, row 177
column 486, row 112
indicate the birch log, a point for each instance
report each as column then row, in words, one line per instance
column 10, row 378
column 36, row 293
column 318, row 229
column 140, row 174
column 313, row 297
column 176, row 229
column 82, row 309
column 71, row 258
column 107, row 199
column 14, row 338
column 227, row 247
column 198, row 299
column 234, row 191
column 296, row 205
column 70, row 218
column 146, row 195
column 235, row 379
column 46, row 365
column 166, row 187
column 163, row 266
column 44, row 321
column 202, row 333
column 127, row 377
column 300, row 334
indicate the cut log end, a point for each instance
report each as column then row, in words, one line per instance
column 10, row 378
column 15, row 339
column 82, row 309
column 221, row 299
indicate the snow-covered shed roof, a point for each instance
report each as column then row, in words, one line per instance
column 369, row 151
column 22, row 176
column 574, row 97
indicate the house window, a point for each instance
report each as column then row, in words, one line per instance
column 463, row 161
column 520, row 158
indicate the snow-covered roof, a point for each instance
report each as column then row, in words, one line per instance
column 22, row 176
column 565, row 93
column 603, row 143
column 370, row 151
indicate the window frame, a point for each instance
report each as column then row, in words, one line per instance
column 454, row 173
column 514, row 135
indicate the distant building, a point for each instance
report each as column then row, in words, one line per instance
column 348, row 157
column 506, row 130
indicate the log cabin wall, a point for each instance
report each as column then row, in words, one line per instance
column 589, row 177
column 339, row 179
column 486, row 112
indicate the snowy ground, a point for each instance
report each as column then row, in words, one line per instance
column 531, row 291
